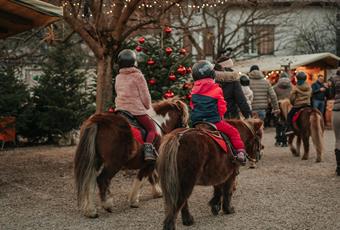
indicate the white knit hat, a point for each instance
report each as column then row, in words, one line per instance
column 227, row 63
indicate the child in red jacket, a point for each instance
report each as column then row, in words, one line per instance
column 208, row 104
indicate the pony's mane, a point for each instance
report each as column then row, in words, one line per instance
column 168, row 104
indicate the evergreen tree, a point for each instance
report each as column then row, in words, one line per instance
column 14, row 96
column 61, row 102
column 165, row 65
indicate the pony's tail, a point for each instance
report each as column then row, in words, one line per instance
column 85, row 164
column 168, row 171
column 316, row 130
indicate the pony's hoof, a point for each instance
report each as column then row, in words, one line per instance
column 304, row 158
column 252, row 165
column 108, row 205
column 318, row 160
column 229, row 210
column 188, row 221
column 157, row 195
column 134, row 205
column 215, row 209
column 91, row 214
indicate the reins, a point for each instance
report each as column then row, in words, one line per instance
column 255, row 136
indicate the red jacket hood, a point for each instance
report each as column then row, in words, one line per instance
column 203, row 86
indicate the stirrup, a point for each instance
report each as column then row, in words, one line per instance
column 150, row 153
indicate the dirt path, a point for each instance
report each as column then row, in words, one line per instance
column 36, row 192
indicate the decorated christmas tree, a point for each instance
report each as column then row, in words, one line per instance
column 165, row 64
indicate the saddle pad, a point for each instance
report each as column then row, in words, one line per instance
column 297, row 115
column 219, row 140
column 137, row 134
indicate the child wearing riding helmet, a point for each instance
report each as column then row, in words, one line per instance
column 133, row 96
column 208, row 104
column 300, row 97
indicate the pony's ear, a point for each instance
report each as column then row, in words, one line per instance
column 258, row 123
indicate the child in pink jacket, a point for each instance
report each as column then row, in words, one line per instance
column 133, row 96
column 208, row 104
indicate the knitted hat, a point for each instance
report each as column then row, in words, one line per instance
column 254, row 67
column 244, row 80
column 225, row 62
column 284, row 75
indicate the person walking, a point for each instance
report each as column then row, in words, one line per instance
column 232, row 91
column 263, row 93
column 282, row 89
column 335, row 92
column 133, row 96
column 320, row 91
column 248, row 93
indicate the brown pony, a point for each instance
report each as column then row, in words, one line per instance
column 189, row 157
column 107, row 145
column 309, row 124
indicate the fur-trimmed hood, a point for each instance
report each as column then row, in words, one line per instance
column 256, row 74
column 226, row 76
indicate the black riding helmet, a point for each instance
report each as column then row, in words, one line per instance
column 301, row 76
column 126, row 58
column 244, row 80
column 203, row 69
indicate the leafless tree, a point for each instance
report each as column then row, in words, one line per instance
column 104, row 25
column 228, row 22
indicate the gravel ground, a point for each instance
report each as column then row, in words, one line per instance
column 37, row 192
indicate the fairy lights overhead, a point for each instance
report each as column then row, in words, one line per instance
column 109, row 5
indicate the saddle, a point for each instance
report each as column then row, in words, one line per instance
column 298, row 113
column 220, row 138
column 138, row 131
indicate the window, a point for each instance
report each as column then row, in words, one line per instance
column 259, row 39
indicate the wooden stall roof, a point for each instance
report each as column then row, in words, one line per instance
column 20, row 15
column 269, row 63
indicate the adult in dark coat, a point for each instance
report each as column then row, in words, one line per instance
column 232, row 90
column 282, row 89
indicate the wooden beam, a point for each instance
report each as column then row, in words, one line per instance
column 4, row 15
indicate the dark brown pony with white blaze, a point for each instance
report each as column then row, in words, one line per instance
column 189, row 157
column 107, row 145
column 309, row 124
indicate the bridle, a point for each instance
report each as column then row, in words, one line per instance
column 257, row 141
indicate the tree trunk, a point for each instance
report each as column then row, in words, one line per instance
column 104, row 82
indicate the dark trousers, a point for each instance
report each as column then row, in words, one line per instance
column 281, row 127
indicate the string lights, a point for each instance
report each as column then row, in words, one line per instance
column 109, row 5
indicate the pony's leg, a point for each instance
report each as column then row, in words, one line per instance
column 298, row 145
column 137, row 184
column 227, row 194
column 291, row 146
column 215, row 202
column 187, row 218
column 103, row 181
column 305, row 141
column 154, row 181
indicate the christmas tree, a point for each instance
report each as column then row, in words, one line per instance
column 61, row 102
column 165, row 64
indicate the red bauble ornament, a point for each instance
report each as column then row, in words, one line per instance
column 141, row 40
column 152, row 82
column 172, row 77
column 168, row 94
column 181, row 70
column 183, row 51
column 189, row 96
column 188, row 69
column 167, row 30
column 186, row 85
column 139, row 48
column 168, row 50
column 151, row 61
column 111, row 110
